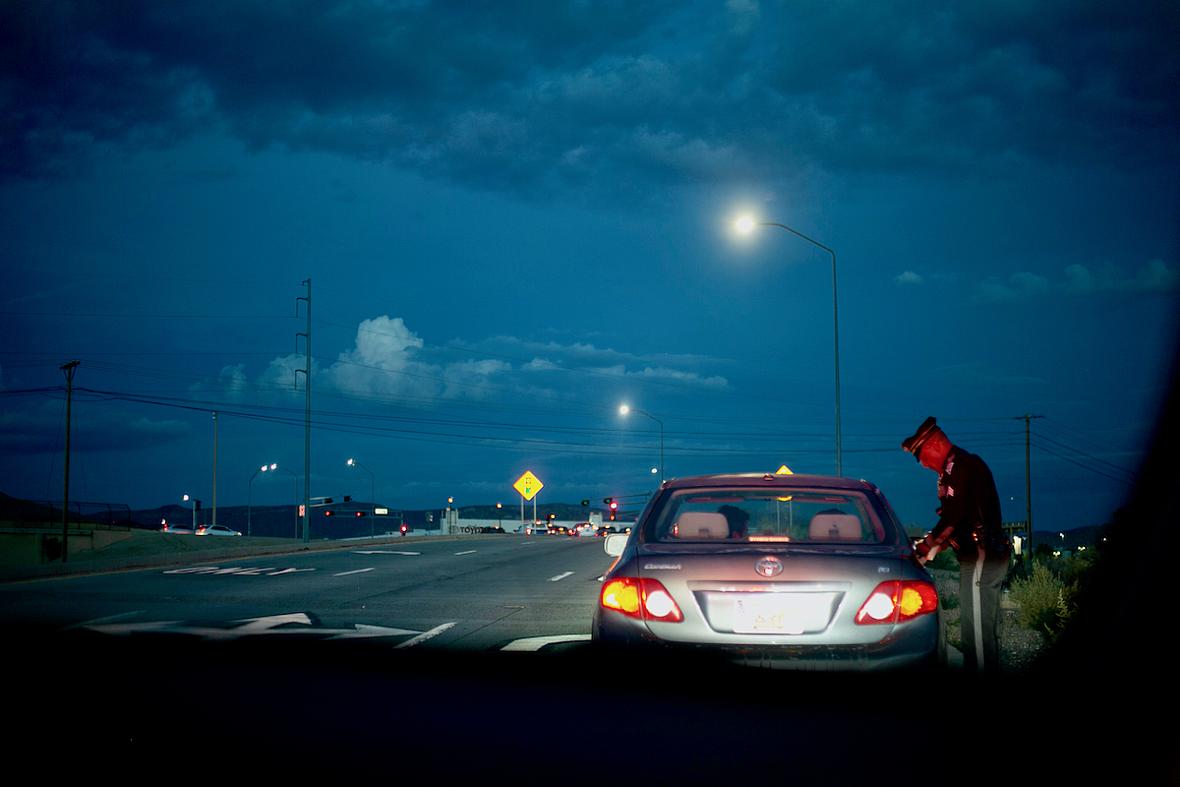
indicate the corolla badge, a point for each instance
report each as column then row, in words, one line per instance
column 769, row 567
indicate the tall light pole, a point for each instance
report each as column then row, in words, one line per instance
column 195, row 503
column 274, row 467
column 625, row 409
column 250, row 500
column 69, row 369
column 744, row 226
column 372, row 490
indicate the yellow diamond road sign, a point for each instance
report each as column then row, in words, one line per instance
column 528, row 485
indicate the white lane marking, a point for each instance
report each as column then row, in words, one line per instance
column 270, row 625
column 468, row 552
column 346, row 573
column 536, row 643
column 425, row 635
column 271, row 621
column 363, row 631
column 104, row 620
column 560, row 577
column 382, row 552
column 243, row 571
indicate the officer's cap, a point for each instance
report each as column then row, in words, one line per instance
column 914, row 442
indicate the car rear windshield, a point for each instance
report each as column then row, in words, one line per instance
column 762, row 516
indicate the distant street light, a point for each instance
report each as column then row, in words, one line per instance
column 274, row 467
column 250, row 501
column 625, row 409
column 372, row 490
column 744, row 225
column 195, row 503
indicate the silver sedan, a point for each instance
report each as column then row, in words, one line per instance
column 787, row 571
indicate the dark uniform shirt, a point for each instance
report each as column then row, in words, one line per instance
column 969, row 514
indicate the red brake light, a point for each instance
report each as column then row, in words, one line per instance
column 643, row 599
column 897, row 601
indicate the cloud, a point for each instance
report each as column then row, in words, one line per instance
column 687, row 378
column 36, row 428
column 384, row 362
column 612, row 95
column 1018, row 287
column 1154, row 276
column 908, row 277
column 472, row 379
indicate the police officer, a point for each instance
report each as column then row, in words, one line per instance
column 968, row 522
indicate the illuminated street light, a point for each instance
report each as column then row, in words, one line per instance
column 250, row 501
column 625, row 409
column 745, row 225
column 195, row 503
column 372, row 490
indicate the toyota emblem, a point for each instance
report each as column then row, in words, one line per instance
column 769, row 567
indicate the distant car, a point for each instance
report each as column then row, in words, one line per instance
column 790, row 571
column 216, row 530
column 603, row 531
column 182, row 530
column 582, row 529
column 558, row 530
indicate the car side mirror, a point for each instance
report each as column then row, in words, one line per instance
column 615, row 544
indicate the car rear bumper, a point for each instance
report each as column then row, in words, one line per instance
column 916, row 645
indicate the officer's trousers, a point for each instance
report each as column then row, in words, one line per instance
column 980, row 581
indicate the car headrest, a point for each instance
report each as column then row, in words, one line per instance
column 835, row 527
column 701, row 524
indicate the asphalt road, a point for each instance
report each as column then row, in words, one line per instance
column 474, row 593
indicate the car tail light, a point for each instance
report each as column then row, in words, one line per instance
column 897, row 601
column 643, row 599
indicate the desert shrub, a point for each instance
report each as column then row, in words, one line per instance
column 1045, row 601
column 944, row 561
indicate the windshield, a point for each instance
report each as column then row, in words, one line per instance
column 761, row 516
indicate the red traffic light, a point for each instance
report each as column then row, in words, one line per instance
column 328, row 512
column 614, row 505
column 359, row 514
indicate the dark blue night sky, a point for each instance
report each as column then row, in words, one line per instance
column 516, row 216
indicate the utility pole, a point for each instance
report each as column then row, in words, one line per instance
column 215, row 467
column 306, row 411
column 68, row 368
column 1028, row 478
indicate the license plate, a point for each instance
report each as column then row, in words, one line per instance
column 772, row 613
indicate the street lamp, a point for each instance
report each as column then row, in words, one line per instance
column 744, row 225
column 250, row 501
column 372, row 490
column 625, row 409
column 273, row 467
column 500, row 514
column 195, row 504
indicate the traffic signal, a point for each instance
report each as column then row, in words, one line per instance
column 328, row 512
column 585, row 503
column 359, row 514
column 608, row 500
column 614, row 507
column 348, row 498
